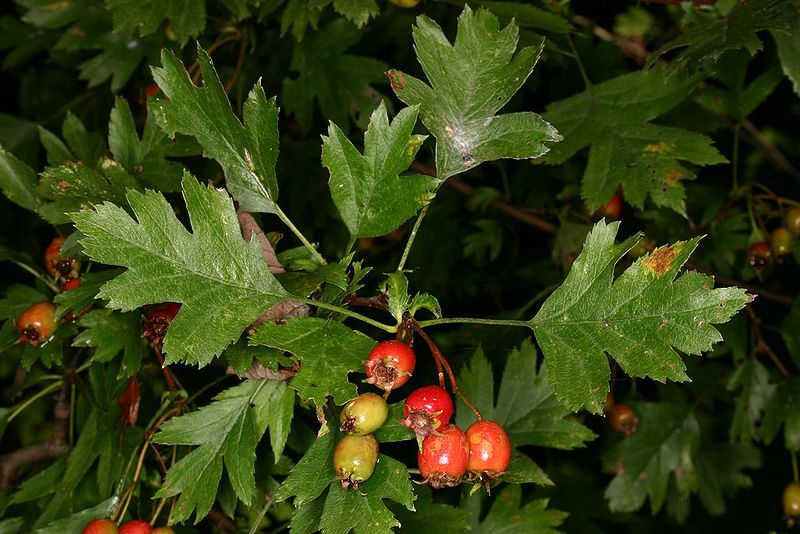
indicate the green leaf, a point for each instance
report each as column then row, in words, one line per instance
column 751, row 380
column 328, row 352
column 392, row 430
column 227, row 431
column 371, row 196
column 790, row 330
column 356, row 11
column 663, row 447
column 87, row 146
column 613, row 118
column 77, row 300
column 78, row 520
column 528, row 16
column 789, row 50
column 507, row 515
column 637, row 319
column 18, row 182
column 783, row 410
column 118, row 59
column 340, row 83
column 526, row 406
column 186, row 18
column 706, row 42
column 430, row 517
column 222, row 282
column 247, row 151
column 72, row 186
column 469, row 82
column 110, row 333
column 145, row 158
column 312, row 474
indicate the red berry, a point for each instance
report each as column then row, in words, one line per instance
column 354, row 459
column 444, row 457
column 150, row 91
column 612, row 209
column 37, row 323
column 100, row 526
column 623, row 419
column 70, row 284
column 57, row 265
column 427, row 409
column 759, row 256
column 791, row 499
column 362, row 415
column 489, row 450
column 136, row 526
column 390, row 364
column 158, row 319
column 793, row 220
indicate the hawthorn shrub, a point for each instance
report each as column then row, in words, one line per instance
column 239, row 234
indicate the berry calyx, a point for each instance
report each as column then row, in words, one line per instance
column 390, row 364
column 37, row 323
column 362, row 415
column 354, row 459
column 57, row 265
column 158, row 319
column 623, row 420
column 781, row 241
column 489, row 451
column 427, row 409
column 137, row 526
column 100, row 526
column 791, row 499
column 759, row 256
column 444, row 457
column 793, row 220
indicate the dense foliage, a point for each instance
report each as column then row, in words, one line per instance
column 583, row 218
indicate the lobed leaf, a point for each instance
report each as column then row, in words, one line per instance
column 640, row 319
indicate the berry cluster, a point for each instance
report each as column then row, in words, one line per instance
column 107, row 526
column 446, row 454
column 778, row 246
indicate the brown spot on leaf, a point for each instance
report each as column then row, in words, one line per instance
column 659, row 148
column 63, row 185
column 660, row 260
column 674, row 177
column 396, row 79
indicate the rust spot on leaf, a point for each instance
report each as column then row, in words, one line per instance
column 660, row 260
column 674, row 176
column 63, row 185
column 659, row 148
column 396, row 79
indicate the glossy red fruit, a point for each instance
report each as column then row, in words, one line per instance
column 759, row 255
column 793, row 220
column 70, row 284
column 150, row 91
column 781, row 241
column 612, row 209
column 158, row 319
column 489, row 450
column 390, row 364
column 37, row 323
column 791, row 499
column 136, row 526
column 100, row 526
column 623, row 420
column 354, row 459
column 427, row 409
column 362, row 415
column 444, row 457
column 58, row 266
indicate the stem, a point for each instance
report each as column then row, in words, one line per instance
column 735, row 156
column 582, row 70
column 261, row 514
column 37, row 274
column 411, row 237
column 306, row 243
column 348, row 313
column 49, row 389
column 473, row 320
column 442, row 361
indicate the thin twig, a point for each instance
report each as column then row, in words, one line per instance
column 762, row 346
